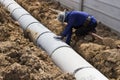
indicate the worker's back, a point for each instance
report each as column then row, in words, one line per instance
column 76, row 18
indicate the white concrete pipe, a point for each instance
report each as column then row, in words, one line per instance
column 26, row 20
column 61, row 53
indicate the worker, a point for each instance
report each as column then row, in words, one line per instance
column 82, row 22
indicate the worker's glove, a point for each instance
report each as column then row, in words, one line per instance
column 59, row 37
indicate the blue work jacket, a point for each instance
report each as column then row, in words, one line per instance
column 75, row 19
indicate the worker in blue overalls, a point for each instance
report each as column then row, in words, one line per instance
column 83, row 22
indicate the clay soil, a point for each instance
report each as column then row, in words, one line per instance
column 20, row 59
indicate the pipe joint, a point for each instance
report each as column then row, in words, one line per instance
column 6, row 3
column 26, row 20
column 17, row 13
column 50, row 43
column 59, row 48
column 77, row 70
column 89, row 74
column 35, row 30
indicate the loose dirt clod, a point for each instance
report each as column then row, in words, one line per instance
column 106, row 41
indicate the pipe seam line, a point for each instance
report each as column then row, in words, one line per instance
column 71, row 60
column 29, row 25
column 20, row 15
column 15, row 6
column 15, row 9
column 7, row 2
column 11, row 11
column 75, row 71
column 12, row 7
column 42, row 40
column 29, row 20
column 58, row 48
column 35, row 31
column 36, row 38
column 9, row 5
column 40, row 35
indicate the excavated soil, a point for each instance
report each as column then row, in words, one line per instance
column 21, row 60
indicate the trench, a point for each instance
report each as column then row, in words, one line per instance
column 108, row 51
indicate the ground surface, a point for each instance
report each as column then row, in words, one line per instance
column 21, row 60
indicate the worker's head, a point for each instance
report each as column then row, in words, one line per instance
column 61, row 16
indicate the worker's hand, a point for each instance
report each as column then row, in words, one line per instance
column 59, row 37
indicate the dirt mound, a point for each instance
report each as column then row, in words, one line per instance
column 105, row 59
